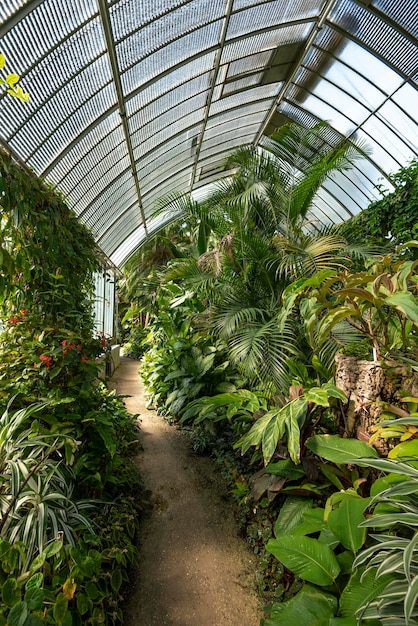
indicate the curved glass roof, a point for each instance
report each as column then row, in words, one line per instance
column 133, row 99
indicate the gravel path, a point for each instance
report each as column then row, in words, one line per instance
column 193, row 568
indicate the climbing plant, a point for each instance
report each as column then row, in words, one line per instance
column 10, row 82
column 64, row 438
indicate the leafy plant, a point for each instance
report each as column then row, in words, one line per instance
column 394, row 216
column 394, row 553
column 319, row 545
column 290, row 422
column 380, row 304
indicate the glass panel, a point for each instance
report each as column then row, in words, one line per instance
column 251, row 95
column 126, row 247
column 294, row 10
column 113, row 195
column 259, row 108
column 139, row 72
column 70, row 130
column 264, row 15
column 263, row 41
column 388, row 140
column 243, row 83
column 110, row 128
column 190, row 122
column 324, row 111
column 380, row 156
column 170, row 96
column 404, row 13
column 356, row 85
column 377, row 34
column 168, row 107
column 162, row 19
column 249, row 63
column 235, row 123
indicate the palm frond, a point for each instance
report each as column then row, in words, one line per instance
column 261, row 350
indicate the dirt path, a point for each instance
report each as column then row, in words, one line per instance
column 193, row 568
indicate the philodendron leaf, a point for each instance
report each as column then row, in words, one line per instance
column 405, row 302
column 339, row 450
column 307, row 558
column 360, row 590
column 310, row 607
column 291, row 515
column 344, row 521
column 317, row 395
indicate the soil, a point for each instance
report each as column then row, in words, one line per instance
column 193, row 567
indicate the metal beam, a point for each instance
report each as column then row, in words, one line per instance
column 227, row 17
column 18, row 15
column 110, row 42
column 320, row 22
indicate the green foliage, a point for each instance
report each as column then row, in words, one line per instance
column 64, row 456
column 393, row 556
column 288, row 422
column 11, row 83
column 319, row 545
column 381, row 304
column 339, row 450
column 395, row 215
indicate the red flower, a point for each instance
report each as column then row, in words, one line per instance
column 78, row 347
column 14, row 320
column 84, row 359
column 64, row 342
column 23, row 311
column 48, row 360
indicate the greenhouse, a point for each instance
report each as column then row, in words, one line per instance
column 208, row 280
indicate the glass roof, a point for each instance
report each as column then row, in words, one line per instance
column 133, row 99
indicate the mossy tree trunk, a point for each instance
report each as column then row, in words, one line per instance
column 368, row 386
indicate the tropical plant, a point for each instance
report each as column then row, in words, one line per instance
column 394, row 217
column 291, row 423
column 393, row 557
column 260, row 241
column 379, row 303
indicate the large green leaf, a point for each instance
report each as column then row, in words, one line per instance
column 286, row 468
column 331, row 319
column 295, row 414
column 317, row 395
column 307, row 558
column 344, row 521
column 406, row 303
column 310, row 607
column 405, row 450
column 360, row 590
column 291, row 515
column 339, row 450
column 411, row 599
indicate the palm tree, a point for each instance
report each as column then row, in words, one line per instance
column 262, row 239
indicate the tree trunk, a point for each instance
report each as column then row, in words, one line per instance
column 368, row 385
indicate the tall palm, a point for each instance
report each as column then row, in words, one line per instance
column 264, row 240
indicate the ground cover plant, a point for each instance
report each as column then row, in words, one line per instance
column 67, row 523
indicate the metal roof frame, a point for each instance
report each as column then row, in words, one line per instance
column 192, row 101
